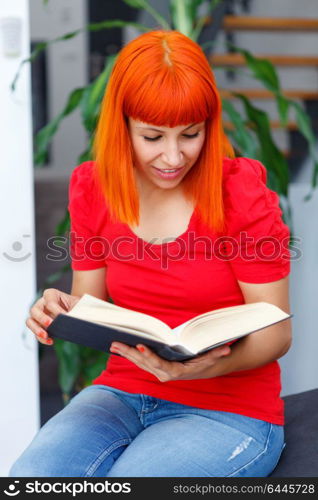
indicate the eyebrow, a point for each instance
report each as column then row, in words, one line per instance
column 158, row 130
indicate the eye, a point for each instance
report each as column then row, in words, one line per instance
column 191, row 136
column 158, row 137
column 151, row 138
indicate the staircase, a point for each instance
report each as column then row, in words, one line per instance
column 254, row 23
column 236, row 26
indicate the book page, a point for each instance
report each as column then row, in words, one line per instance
column 90, row 308
column 229, row 323
column 210, row 314
column 141, row 334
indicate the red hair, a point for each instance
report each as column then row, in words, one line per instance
column 163, row 78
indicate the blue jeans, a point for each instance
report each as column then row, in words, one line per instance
column 106, row 432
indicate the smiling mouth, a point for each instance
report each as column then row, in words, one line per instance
column 168, row 170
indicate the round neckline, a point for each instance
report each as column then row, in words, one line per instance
column 168, row 243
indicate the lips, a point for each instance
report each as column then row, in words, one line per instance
column 160, row 172
column 163, row 169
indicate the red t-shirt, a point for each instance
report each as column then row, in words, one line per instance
column 193, row 274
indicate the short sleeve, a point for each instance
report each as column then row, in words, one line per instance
column 86, row 247
column 257, row 239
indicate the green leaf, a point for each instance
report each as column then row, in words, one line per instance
column 287, row 213
column 283, row 108
column 85, row 156
column 182, row 15
column 52, row 278
column 303, row 122
column 305, row 128
column 42, row 140
column 93, row 95
column 114, row 23
column 199, row 22
column 137, row 4
column 64, row 225
column 265, row 71
column 68, row 355
column 45, row 135
column 262, row 69
column 144, row 5
column 92, row 366
column 271, row 156
column 241, row 135
column 210, row 43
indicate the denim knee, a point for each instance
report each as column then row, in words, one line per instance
column 22, row 468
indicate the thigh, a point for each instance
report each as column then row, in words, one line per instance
column 84, row 439
column 195, row 446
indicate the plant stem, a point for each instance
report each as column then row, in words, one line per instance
column 158, row 17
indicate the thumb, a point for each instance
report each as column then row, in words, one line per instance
column 224, row 351
column 64, row 302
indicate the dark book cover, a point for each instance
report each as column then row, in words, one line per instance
column 100, row 337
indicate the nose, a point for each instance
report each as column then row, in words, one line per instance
column 172, row 156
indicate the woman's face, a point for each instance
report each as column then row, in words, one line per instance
column 163, row 155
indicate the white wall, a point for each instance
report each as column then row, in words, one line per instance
column 19, row 418
column 67, row 70
column 299, row 366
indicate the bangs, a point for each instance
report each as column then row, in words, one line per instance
column 169, row 98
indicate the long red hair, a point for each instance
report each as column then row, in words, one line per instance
column 163, row 78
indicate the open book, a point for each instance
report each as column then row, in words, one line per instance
column 96, row 323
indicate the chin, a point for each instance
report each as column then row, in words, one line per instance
column 171, row 184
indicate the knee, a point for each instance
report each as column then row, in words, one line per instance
column 21, row 468
column 46, row 467
column 36, row 462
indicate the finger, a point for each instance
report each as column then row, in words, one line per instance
column 127, row 351
column 37, row 313
column 40, row 334
column 165, row 370
column 64, row 302
column 135, row 356
column 151, row 357
column 223, row 350
column 51, row 298
column 215, row 353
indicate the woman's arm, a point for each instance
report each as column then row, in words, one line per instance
column 263, row 346
column 92, row 282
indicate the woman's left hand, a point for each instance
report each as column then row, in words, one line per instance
column 164, row 370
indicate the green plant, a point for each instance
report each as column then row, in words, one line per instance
column 250, row 134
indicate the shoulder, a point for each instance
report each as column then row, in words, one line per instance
column 83, row 176
column 83, row 188
column 242, row 170
column 254, row 219
column 248, row 202
column 244, row 184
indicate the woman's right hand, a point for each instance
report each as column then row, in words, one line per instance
column 45, row 309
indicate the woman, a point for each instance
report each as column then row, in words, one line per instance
column 167, row 222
